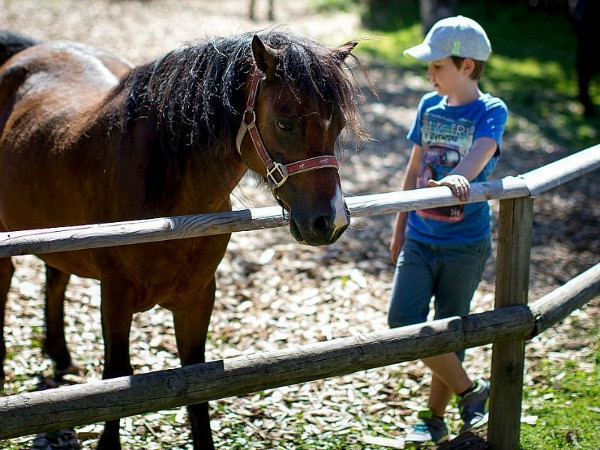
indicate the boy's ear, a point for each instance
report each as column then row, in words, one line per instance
column 468, row 65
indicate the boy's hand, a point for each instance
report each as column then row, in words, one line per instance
column 395, row 247
column 459, row 185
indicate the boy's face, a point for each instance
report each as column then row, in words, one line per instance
column 446, row 78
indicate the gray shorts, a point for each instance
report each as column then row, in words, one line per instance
column 449, row 274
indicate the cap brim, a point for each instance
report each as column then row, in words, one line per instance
column 423, row 52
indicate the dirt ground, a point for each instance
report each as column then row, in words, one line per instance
column 274, row 293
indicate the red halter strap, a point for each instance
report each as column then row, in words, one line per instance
column 277, row 173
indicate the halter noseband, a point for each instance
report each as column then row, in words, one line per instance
column 277, row 173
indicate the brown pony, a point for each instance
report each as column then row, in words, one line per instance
column 87, row 138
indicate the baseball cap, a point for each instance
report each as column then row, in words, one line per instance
column 453, row 36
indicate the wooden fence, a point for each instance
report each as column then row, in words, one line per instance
column 508, row 326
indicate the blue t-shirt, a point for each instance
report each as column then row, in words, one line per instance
column 446, row 134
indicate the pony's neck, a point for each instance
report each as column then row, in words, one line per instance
column 189, row 131
column 205, row 188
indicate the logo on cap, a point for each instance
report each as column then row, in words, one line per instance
column 456, row 48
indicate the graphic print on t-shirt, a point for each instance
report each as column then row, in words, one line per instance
column 437, row 162
column 445, row 141
column 437, row 127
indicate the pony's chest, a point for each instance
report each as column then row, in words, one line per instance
column 174, row 276
column 176, row 292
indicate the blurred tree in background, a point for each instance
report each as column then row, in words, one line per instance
column 378, row 11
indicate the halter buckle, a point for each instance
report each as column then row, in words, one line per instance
column 281, row 171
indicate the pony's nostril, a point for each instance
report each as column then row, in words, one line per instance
column 322, row 224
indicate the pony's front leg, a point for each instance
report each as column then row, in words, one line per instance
column 191, row 326
column 117, row 315
column 55, row 344
column 6, row 272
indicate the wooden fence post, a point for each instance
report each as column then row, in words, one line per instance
column 508, row 357
column 512, row 288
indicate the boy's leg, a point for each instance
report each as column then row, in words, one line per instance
column 411, row 295
column 431, row 426
column 458, row 272
column 412, row 287
column 412, row 290
column 459, row 276
column 448, row 378
column 439, row 396
column 458, row 281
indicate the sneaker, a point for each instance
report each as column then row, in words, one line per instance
column 428, row 430
column 474, row 406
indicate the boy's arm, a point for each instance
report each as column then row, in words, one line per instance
column 408, row 182
column 471, row 165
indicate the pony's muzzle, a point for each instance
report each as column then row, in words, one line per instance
column 321, row 227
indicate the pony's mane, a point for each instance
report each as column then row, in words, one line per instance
column 192, row 97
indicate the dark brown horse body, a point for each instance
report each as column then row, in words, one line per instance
column 86, row 138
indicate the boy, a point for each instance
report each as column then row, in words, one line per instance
column 441, row 252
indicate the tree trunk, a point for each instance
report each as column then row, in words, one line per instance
column 434, row 10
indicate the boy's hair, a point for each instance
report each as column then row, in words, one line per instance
column 477, row 71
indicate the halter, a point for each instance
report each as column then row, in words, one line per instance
column 277, row 173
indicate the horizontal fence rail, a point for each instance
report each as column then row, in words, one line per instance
column 54, row 409
column 167, row 228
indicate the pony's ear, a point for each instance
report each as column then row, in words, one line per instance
column 343, row 51
column 265, row 57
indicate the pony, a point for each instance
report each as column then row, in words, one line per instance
column 85, row 137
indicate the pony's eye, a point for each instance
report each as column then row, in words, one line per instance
column 285, row 125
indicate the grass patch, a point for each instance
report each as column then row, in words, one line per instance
column 567, row 406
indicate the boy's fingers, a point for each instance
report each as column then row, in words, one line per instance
column 459, row 188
